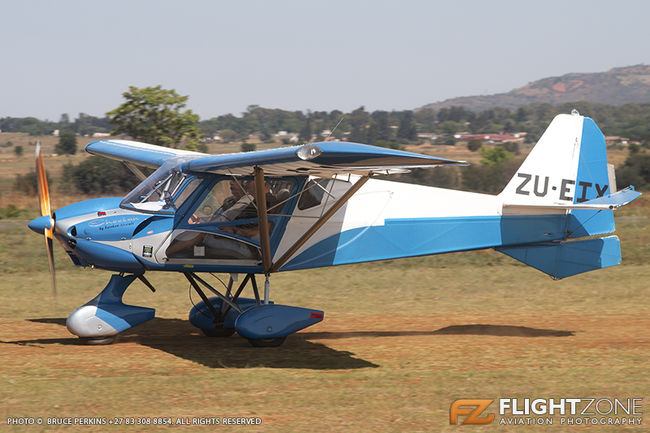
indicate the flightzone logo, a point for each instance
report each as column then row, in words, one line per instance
column 472, row 409
column 548, row 411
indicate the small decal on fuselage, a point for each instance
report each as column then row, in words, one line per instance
column 147, row 251
column 108, row 223
column 566, row 187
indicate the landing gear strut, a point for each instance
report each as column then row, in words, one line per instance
column 262, row 322
column 102, row 318
column 216, row 316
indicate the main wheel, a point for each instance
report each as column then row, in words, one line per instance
column 266, row 342
column 218, row 332
column 97, row 341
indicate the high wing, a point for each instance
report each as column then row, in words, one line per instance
column 148, row 155
column 317, row 159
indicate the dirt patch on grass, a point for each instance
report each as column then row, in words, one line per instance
column 412, row 366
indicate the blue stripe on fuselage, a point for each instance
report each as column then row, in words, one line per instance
column 422, row 236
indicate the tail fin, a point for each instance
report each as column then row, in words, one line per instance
column 568, row 165
column 566, row 171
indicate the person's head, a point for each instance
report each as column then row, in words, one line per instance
column 250, row 187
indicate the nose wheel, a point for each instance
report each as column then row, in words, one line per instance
column 97, row 341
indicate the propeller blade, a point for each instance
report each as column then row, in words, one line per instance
column 50, row 258
column 43, row 190
column 46, row 209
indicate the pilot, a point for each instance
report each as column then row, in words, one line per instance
column 233, row 206
column 229, row 209
column 240, row 205
column 246, row 208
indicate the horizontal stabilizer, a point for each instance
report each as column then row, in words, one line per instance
column 618, row 199
column 561, row 260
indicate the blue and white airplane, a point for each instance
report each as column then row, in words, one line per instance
column 201, row 213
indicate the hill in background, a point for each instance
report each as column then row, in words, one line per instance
column 618, row 86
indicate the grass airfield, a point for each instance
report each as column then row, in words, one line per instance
column 401, row 340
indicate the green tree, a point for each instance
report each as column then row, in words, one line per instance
column 450, row 127
column 473, row 145
column 248, row 147
column 67, row 144
column 489, row 178
column 86, row 124
column 359, row 120
column 227, row 135
column 495, row 155
column 98, row 175
column 306, row 132
column 155, row 115
column 512, row 147
column 27, row 183
column 426, row 119
column 18, row 150
column 635, row 171
column 380, row 128
column 407, row 129
column 482, row 178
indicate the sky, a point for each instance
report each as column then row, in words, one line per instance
column 72, row 56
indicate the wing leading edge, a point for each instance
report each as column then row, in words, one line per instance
column 318, row 159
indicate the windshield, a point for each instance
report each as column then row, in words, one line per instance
column 162, row 192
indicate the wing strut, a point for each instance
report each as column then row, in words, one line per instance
column 262, row 217
column 135, row 170
column 321, row 221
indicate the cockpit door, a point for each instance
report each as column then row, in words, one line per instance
column 221, row 227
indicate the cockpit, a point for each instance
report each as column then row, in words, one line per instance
column 216, row 216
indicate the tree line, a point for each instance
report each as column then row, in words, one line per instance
column 158, row 116
column 378, row 127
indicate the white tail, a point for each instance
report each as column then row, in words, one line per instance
column 568, row 165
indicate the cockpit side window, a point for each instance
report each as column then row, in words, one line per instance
column 312, row 193
column 223, row 224
column 234, row 199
